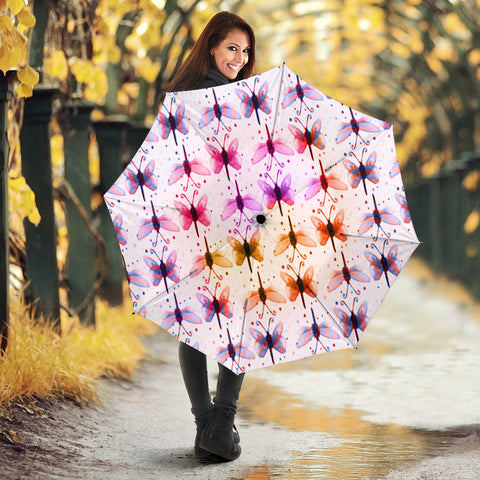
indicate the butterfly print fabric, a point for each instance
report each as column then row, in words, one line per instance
column 262, row 221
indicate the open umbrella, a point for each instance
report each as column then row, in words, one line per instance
column 262, row 221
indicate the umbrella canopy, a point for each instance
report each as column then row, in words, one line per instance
column 262, row 221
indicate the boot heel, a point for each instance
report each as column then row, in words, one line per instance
column 218, row 436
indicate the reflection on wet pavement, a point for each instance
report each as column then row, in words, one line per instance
column 396, row 400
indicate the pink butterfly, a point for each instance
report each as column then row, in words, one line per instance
column 324, row 182
column 226, row 157
column 193, row 214
column 187, row 167
column 269, row 148
column 306, row 137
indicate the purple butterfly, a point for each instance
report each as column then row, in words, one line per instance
column 347, row 274
column 217, row 112
column 301, row 91
column 171, row 122
column 277, row 193
column 355, row 126
column 362, row 171
column 178, row 316
column 118, row 225
column 267, row 341
column 383, row 264
column 255, row 101
column 352, row 320
column 404, row 212
column 163, row 270
column 376, row 218
column 155, row 223
column 240, row 203
column 315, row 331
column 233, row 351
column 269, row 148
column 135, row 177
column 216, row 305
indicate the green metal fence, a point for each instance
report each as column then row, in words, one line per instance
column 445, row 210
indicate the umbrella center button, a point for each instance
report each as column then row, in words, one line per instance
column 261, row 219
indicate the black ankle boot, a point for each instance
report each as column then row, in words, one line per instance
column 201, row 423
column 219, row 436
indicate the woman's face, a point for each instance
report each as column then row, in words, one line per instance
column 231, row 54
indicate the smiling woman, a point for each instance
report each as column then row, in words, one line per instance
column 226, row 47
column 231, row 54
column 224, row 52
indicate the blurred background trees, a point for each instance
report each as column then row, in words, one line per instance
column 413, row 63
column 409, row 62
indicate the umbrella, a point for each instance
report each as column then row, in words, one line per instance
column 262, row 221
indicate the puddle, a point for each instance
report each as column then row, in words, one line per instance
column 398, row 399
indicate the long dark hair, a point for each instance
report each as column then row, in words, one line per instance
column 194, row 69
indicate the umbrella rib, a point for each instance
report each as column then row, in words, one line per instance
column 277, row 106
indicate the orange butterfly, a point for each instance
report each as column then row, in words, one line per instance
column 301, row 237
column 262, row 295
column 299, row 285
column 208, row 260
column 246, row 249
column 329, row 229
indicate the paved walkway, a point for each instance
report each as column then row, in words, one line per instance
column 409, row 393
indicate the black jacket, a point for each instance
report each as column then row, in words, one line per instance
column 213, row 79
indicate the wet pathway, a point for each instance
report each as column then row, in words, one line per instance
column 404, row 395
column 409, row 393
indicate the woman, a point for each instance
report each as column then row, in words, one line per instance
column 224, row 52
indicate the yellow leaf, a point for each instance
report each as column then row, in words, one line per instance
column 56, row 65
column 24, row 90
column 6, row 21
column 82, row 70
column 148, row 70
column 15, row 5
column 57, row 151
column 471, row 181
column 22, row 199
column 3, row 4
column 26, row 18
column 28, row 75
column 472, row 222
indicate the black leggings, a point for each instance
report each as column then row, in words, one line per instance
column 194, row 370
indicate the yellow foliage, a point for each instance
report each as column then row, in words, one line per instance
column 40, row 363
column 471, row 181
column 15, row 5
column 26, row 18
column 56, row 65
column 94, row 78
column 28, row 76
column 22, row 199
column 148, row 70
column 57, row 151
column 97, row 88
column 24, row 90
column 6, row 22
column 105, row 49
column 456, row 27
column 472, row 222
column 13, row 48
